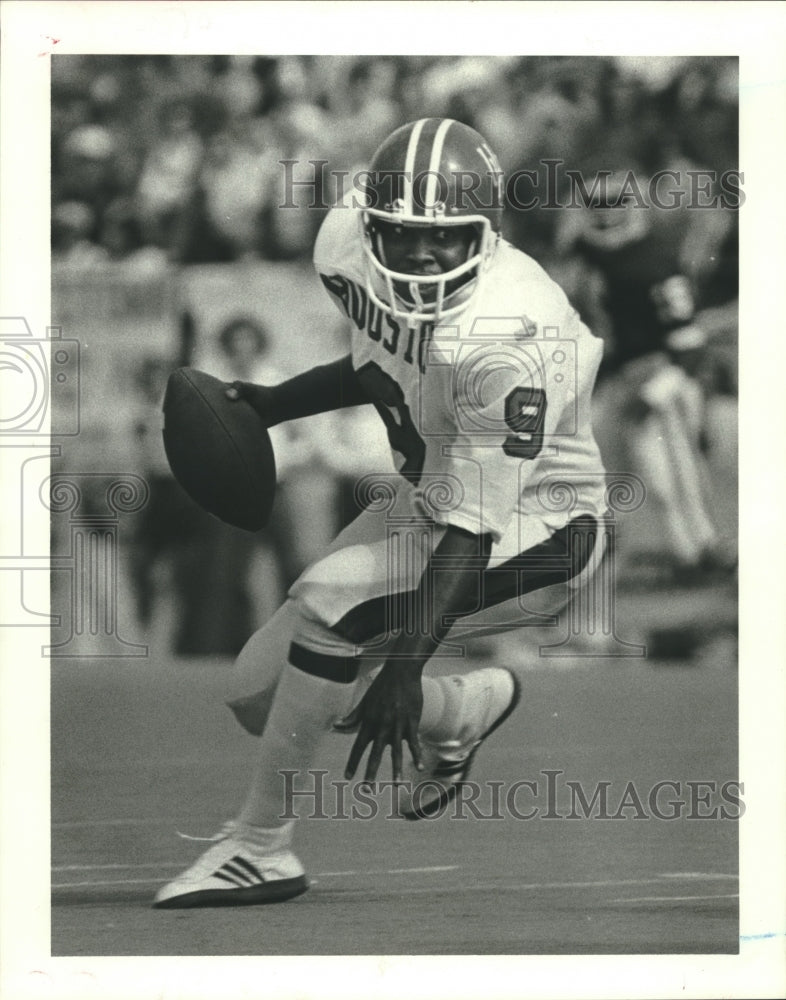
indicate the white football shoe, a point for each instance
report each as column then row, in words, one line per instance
column 487, row 698
column 246, row 867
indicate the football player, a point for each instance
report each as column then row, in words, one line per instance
column 482, row 373
column 654, row 354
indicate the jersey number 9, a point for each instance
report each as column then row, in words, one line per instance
column 525, row 415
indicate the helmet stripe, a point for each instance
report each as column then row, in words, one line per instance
column 409, row 165
column 436, row 157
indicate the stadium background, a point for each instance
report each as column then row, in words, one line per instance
column 167, row 241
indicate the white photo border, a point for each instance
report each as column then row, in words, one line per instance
column 756, row 32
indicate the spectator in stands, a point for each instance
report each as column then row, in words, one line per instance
column 240, row 88
column 301, row 131
column 234, row 191
column 122, row 238
column 85, row 171
column 73, row 224
column 372, row 111
column 169, row 174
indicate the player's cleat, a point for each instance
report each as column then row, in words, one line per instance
column 486, row 699
column 234, row 872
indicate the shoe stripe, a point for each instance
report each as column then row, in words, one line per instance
column 252, row 869
column 233, row 871
column 228, row 877
column 232, row 868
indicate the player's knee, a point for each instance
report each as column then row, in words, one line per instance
column 318, row 650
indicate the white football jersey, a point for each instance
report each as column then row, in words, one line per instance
column 488, row 414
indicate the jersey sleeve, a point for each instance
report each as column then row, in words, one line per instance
column 327, row 242
column 338, row 256
column 512, row 405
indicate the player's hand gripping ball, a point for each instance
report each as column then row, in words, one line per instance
column 219, row 450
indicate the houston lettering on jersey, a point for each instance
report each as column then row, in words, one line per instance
column 379, row 326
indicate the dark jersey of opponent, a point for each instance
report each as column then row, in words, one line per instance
column 647, row 295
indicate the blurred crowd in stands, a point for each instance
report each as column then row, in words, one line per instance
column 159, row 162
column 177, row 158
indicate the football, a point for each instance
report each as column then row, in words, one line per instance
column 219, row 450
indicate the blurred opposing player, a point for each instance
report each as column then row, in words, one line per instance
column 655, row 351
column 482, row 373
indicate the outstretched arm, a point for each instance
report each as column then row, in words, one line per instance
column 390, row 710
column 326, row 387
